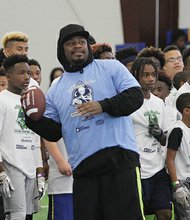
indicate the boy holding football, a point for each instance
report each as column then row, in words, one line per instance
column 20, row 155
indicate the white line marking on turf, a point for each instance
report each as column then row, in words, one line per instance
column 44, row 206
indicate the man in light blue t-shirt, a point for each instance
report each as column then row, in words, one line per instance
column 90, row 106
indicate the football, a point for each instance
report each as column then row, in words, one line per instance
column 33, row 103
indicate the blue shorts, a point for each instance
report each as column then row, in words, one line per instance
column 157, row 192
column 60, row 207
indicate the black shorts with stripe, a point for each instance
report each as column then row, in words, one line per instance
column 107, row 186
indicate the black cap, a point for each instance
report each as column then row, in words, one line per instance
column 72, row 30
column 91, row 40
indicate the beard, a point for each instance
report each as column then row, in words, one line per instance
column 78, row 63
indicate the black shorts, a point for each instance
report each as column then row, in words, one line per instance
column 107, row 187
column 157, row 192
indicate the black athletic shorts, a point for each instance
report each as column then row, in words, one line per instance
column 107, row 186
column 157, row 192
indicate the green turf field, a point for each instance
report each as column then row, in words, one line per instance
column 42, row 215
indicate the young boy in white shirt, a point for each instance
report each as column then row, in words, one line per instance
column 150, row 124
column 20, row 155
column 178, row 155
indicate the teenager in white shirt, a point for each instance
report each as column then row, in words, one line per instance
column 20, row 155
column 178, row 155
column 174, row 63
column 150, row 124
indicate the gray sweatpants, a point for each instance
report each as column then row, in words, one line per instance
column 24, row 198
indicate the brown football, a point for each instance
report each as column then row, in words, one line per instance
column 34, row 103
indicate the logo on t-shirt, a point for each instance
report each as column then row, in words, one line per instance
column 152, row 117
column 21, row 119
column 82, row 93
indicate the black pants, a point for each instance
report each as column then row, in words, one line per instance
column 29, row 217
column 2, row 216
column 106, row 187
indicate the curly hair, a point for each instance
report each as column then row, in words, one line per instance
column 139, row 65
column 9, row 62
column 34, row 62
column 13, row 36
column 99, row 48
column 153, row 52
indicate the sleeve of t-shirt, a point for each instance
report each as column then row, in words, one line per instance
column 174, row 139
column 47, row 128
column 123, row 104
column 121, row 77
column 51, row 111
column 129, row 97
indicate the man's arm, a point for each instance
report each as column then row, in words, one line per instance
column 47, row 128
column 123, row 104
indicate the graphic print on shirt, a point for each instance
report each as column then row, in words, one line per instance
column 152, row 117
column 25, row 137
column 82, row 93
column 21, row 119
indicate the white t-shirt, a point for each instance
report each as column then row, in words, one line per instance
column 57, row 182
column 170, row 99
column 150, row 151
column 182, row 161
column 19, row 146
column 172, row 115
column 33, row 83
column 183, row 89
